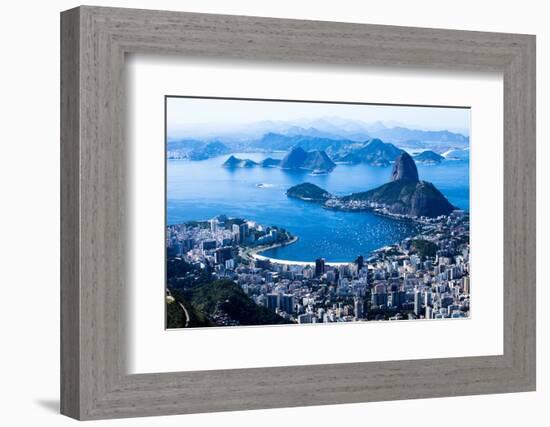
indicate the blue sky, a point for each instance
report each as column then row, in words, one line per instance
column 187, row 116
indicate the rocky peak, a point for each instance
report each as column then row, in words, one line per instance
column 375, row 142
column 404, row 168
column 294, row 159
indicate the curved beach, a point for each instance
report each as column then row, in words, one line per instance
column 254, row 254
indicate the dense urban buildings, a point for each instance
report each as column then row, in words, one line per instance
column 421, row 277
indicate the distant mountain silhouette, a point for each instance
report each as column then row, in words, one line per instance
column 233, row 162
column 196, row 150
column 279, row 142
column 399, row 133
column 334, row 127
column 428, row 157
column 315, row 160
column 270, row 162
column 375, row 152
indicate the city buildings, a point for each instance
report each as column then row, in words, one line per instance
column 426, row 276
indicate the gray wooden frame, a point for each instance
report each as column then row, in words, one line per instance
column 94, row 41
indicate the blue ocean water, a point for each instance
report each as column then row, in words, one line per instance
column 199, row 190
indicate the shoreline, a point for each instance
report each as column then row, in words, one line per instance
column 255, row 254
column 252, row 253
column 371, row 210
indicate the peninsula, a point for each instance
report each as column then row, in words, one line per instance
column 404, row 196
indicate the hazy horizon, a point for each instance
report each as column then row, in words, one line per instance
column 201, row 117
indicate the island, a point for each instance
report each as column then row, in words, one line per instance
column 457, row 154
column 309, row 192
column 234, row 162
column 316, row 160
column 270, row 162
column 428, row 157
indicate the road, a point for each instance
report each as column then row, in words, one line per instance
column 187, row 317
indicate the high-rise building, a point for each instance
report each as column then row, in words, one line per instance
column 379, row 297
column 208, row 245
column 274, row 234
column 428, row 298
column 358, row 308
column 319, row 266
column 446, row 301
column 188, row 244
column 308, row 273
column 222, row 255
column 264, row 264
column 428, row 312
column 305, row 318
column 466, row 284
column 286, row 303
column 415, row 260
column 321, row 314
column 236, row 233
column 396, row 298
column 360, row 261
column 272, row 301
column 240, row 232
column 243, row 232
column 417, row 302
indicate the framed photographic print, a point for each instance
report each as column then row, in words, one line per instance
column 307, row 216
column 281, row 213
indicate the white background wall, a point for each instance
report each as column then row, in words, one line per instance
column 29, row 224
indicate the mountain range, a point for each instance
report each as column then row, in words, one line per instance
column 333, row 127
column 278, row 142
column 330, row 134
column 325, row 150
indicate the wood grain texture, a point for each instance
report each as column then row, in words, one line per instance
column 94, row 272
column 70, row 297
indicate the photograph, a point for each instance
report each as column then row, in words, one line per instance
column 285, row 212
